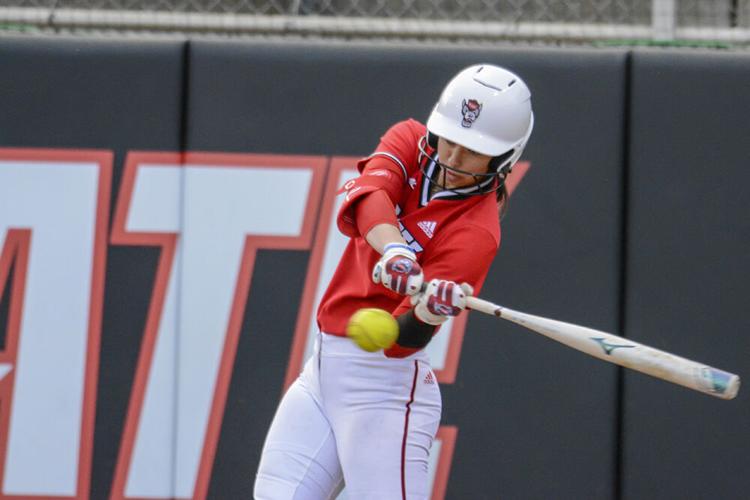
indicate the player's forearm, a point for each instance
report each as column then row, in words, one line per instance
column 376, row 220
column 397, row 269
column 413, row 332
column 382, row 234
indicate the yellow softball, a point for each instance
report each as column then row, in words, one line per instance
column 372, row 329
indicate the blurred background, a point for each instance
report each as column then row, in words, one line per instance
column 720, row 23
column 168, row 171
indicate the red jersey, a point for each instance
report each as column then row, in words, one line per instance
column 454, row 235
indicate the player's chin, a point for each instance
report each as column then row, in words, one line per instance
column 454, row 180
column 460, row 183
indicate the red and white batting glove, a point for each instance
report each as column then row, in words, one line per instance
column 441, row 300
column 398, row 270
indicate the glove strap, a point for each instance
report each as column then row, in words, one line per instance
column 398, row 248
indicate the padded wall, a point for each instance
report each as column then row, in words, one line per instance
column 115, row 96
column 630, row 215
column 687, row 284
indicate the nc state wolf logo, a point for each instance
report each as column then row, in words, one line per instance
column 470, row 110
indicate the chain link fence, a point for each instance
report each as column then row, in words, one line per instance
column 717, row 23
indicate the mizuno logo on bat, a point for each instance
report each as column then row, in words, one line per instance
column 608, row 348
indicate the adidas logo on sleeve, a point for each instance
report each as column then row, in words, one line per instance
column 428, row 227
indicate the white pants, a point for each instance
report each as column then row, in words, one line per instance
column 352, row 417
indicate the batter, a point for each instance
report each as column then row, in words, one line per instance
column 423, row 220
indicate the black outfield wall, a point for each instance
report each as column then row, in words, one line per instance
column 629, row 219
column 688, row 268
column 105, row 95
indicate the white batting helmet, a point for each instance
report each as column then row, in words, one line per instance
column 487, row 109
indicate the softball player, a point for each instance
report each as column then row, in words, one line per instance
column 423, row 211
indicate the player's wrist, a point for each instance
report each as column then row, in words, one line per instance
column 398, row 269
column 413, row 332
column 396, row 248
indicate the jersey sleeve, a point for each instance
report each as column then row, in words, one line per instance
column 375, row 209
column 385, row 169
column 400, row 145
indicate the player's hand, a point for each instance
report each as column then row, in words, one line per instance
column 398, row 270
column 440, row 300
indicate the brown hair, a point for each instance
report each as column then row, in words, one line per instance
column 503, row 199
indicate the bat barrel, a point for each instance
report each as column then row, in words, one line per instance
column 622, row 351
column 732, row 385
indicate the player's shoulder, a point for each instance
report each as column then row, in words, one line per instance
column 472, row 222
column 483, row 220
column 471, row 237
column 408, row 128
column 415, row 126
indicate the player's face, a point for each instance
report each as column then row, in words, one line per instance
column 456, row 156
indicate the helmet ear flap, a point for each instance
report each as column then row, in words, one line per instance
column 498, row 162
column 432, row 140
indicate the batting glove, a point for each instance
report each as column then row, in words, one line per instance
column 441, row 300
column 398, row 270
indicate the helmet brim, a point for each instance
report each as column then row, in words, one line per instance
column 472, row 138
